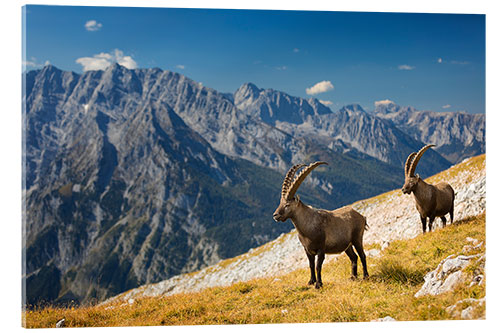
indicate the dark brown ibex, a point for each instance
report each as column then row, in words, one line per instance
column 321, row 231
column 431, row 200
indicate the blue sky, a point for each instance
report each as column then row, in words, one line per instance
column 429, row 61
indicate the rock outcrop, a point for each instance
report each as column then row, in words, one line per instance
column 450, row 273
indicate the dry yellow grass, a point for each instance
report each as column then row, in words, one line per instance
column 395, row 277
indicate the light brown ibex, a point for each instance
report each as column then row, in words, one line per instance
column 321, row 231
column 431, row 200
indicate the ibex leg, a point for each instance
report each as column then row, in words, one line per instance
column 424, row 221
column 431, row 221
column 311, row 268
column 444, row 221
column 319, row 264
column 359, row 248
column 354, row 262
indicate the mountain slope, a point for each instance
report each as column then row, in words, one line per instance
column 134, row 176
column 353, row 128
column 391, row 216
column 272, row 106
column 457, row 135
column 350, row 129
column 118, row 188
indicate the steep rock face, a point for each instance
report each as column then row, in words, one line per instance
column 272, row 106
column 457, row 135
column 352, row 128
column 119, row 190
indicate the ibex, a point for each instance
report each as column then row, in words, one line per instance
column 431, row 200
column 321, row 231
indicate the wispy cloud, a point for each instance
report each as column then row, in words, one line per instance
column 457, row 62
column 453, row 62
column 327, row 103
column 180, row 66
column 406, row 67
column 296, row 50
column 447, row 106
column 281, row 68
column 93, row 25
column 384, row 102
column 33, row 63
column 104, row 60
column 320, row 87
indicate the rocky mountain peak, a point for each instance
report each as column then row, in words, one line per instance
column 352, row 109
column 249, row 88
column 388, row 107
column 270, row 105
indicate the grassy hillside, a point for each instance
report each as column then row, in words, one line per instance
column 395, row 277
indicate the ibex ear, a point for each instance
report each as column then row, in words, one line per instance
column 297, row 198
column 418, row 176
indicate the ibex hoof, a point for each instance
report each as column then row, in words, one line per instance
column 311, row 282
column 354, row 277
column 318, row 285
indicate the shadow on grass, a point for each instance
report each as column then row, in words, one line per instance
column 468, row 219
column 390, row 270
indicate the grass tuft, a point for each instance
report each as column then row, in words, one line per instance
column 394, row 271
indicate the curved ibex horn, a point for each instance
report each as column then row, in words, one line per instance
column 288, row 178
column 408, row 163
column 413, row 166
column 300, row 178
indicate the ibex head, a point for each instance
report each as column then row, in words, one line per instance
column 288, row 201
column 411, row 180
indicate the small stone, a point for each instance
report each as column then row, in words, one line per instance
column 131, row 301
column 467, row 313
column 386, row 318
column 373, row 253
column 451, row 281
column 471, row 240
column 60, row 323
column 284, row 311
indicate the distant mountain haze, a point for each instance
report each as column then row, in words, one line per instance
column 134, row 176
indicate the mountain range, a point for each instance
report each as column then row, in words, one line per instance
column 134, row 176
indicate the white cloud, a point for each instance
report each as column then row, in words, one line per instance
column 320, row 87
column 104, row 60
column 406, row 67
column 384, row 102
column 28, row 63
column 327, row 103
column 93, row 25
column 296, row 50
column 447, row 106
column 453, row 62
column 282, row 68
column 180, row 66
column 34, row 63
